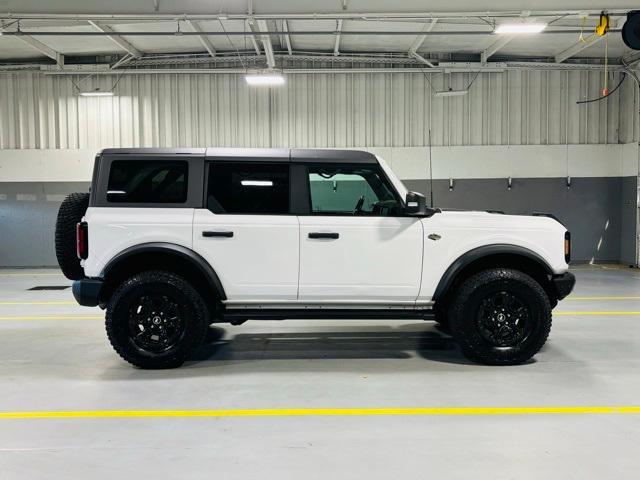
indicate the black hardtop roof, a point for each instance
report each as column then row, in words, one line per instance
column 305, row 155
column 154, row 151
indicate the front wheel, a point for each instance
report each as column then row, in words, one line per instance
column 156, row 319
column 500, row 317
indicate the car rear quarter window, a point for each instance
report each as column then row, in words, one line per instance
column 148, row 181
column 248, row 188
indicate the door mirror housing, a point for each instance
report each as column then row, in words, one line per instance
column 416, row 204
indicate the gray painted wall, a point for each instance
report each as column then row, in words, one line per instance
column 28, row 212
column 591, row 208
column 629, row 219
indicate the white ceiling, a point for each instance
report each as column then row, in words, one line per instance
column 302, row 6
column 544, row 46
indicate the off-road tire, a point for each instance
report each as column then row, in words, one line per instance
column 465, row 307
column 441, row 315
column 71, row 211
column 195, row 318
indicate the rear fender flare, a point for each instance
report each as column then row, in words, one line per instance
column 180, row 251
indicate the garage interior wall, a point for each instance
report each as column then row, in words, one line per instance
column 524, row 125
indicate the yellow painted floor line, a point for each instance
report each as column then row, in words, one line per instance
column 572, row 298
column 51, row 302
column 567, row 313
column 52, row 317
column 320, row 412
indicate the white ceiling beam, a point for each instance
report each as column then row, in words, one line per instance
column 420, row 58
column 206, row 43
column 503, row 40
column 495, row 46
column 118, row 40
column 315, row 14
column 631, row 59
column 252, row 38
column 443, row 67
column 581, row 45
column 336, row 46
column 287, row 38
column 419, row 40
column 42, row 48
column 266, row 43
column 577, row 48
column 250, row 21
column 126, row 59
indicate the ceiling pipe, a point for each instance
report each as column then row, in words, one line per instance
column 419, row 16
column 494, row 68
column 395, row 33
column 293, row 56
column 137, row 65
column 243, row 71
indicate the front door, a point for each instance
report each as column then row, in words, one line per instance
column 355, row 245
column 246, row 232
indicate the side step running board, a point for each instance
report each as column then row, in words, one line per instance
column 234, row 315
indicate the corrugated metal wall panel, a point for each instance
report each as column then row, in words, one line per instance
column 331, row 110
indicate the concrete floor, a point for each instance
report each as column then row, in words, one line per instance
column 54, row 356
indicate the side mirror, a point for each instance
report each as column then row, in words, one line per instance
column 416, row 204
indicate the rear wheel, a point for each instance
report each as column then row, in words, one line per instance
column 156, row 320
column 500, row 317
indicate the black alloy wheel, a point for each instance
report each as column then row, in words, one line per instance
column 156, row 322
column 500, row 316
column 504, row 320
column 156, row 319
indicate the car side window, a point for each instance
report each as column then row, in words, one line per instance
column 147, row 181
column 351, row 190
column 248, row 188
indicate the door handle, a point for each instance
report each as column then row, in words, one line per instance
column 217, row 234
column 324, row 235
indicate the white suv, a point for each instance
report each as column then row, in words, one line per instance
column 170, row 241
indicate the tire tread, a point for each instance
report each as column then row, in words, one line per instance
column 197, row 332
column 71, row 211
column 470, row 345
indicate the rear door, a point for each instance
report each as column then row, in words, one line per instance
column 246, row 232
column 355, row 244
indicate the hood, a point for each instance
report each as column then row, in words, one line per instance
column 493, row 219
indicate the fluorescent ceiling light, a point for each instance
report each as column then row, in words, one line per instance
column 450, row 93
column 521, row 28
column 257, row 183
column 264, row 79
column 96, row 93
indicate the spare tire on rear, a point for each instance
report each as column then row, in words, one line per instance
column 71, row 211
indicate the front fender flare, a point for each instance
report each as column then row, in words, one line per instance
column 471, row 256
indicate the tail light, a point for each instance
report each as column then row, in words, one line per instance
column 82, row 240
column 567, row 247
